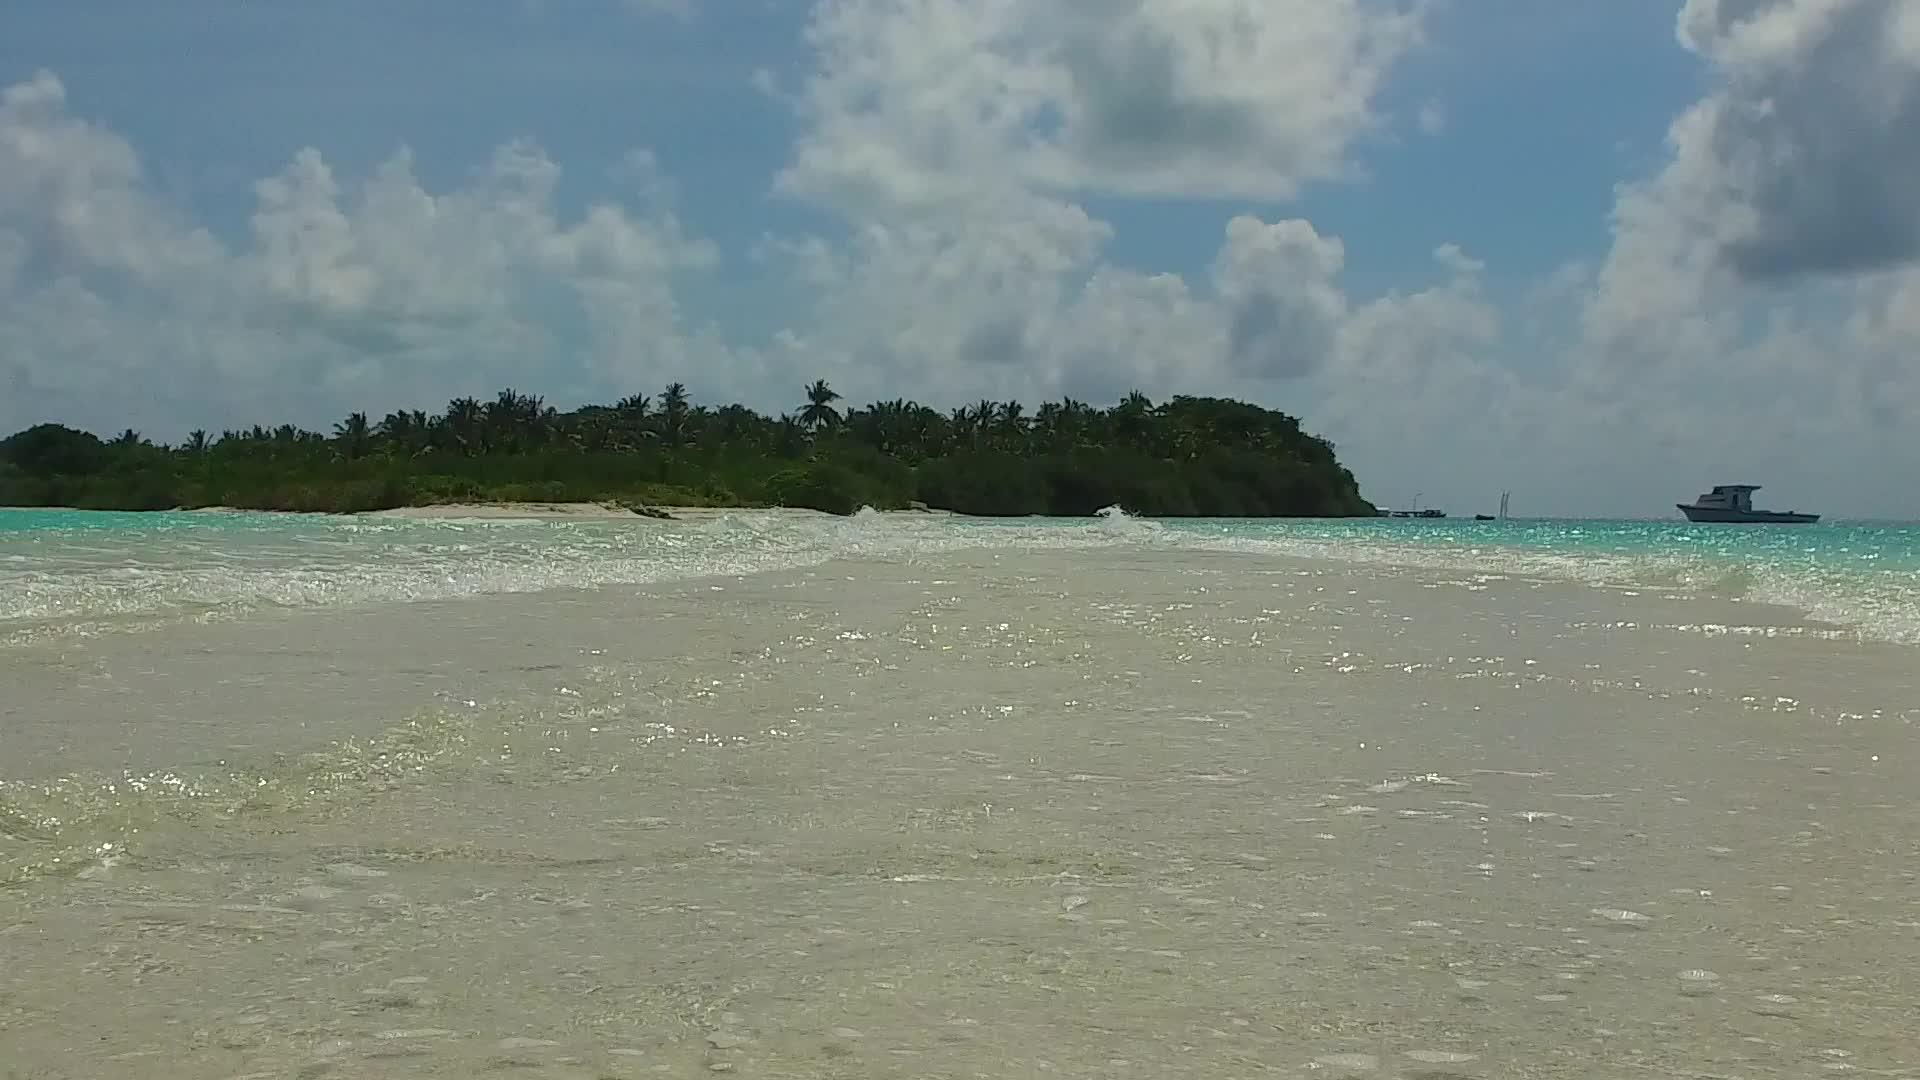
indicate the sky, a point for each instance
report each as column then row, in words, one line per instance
column 1602, row 255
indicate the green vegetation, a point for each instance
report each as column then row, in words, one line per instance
column 1186, row 457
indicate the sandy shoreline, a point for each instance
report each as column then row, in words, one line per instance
column 572, row 511
column 587, row 511
column 974, row 810
column 600, row 511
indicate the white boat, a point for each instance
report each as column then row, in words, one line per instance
column 1733, row 504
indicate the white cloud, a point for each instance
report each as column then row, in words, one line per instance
column 1456, row 260
column 1820, row 166
column 917, row 104
column 953, row 135
column 1282, row 305
column 955, row 313
column 115, row 309
column 71, row 195
column 1126, row 330
column 1737, row 322
column 1755, row 312
column 1797, row 164
column 967, row 270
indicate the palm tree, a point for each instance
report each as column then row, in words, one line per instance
column 736, row 425
column 1238, row 456
column 673, row 399
column 984, row 411
column 1013, row 422
column 819, row 411
column 1133, row 418
column 464, row 416
column 674, row 411
column 789, row 435
column 404, row 431
column 353, row 434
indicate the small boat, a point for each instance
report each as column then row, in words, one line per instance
column 1484, row 517
column 1415, row 512
column 1733, row 504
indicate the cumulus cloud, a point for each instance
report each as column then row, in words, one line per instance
column 114, row 308
column 1818, row 169
column 915, row 104
column 966, row 268
column 1759, row 291
column 1795, row 165
column 1417, row 388
column 1277, row 285
column 72, row 197
column 955, row 136
column 1007, row 308
column 1759, row 298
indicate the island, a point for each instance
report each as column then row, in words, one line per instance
column 1185, row 457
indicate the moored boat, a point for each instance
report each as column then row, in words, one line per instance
column 1733, row 504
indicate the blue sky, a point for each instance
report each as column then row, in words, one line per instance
column 216, row 95
column 1491, row 265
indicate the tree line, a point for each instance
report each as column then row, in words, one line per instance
column 1188, row 456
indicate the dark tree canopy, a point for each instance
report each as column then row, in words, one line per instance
column 1189, row 456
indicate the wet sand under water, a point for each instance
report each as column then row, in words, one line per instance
column 1118, row 814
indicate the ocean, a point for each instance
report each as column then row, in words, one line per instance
column 782, row 794
column 61, row 569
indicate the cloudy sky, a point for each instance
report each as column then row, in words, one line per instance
column 1601, row 254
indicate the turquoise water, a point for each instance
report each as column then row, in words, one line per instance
column 1866, row 548
column 61, row 567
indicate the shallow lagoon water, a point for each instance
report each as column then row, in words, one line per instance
column 71, row 567
column 912, row 797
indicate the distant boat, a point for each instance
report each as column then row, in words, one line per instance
column 1415, row 512
column 1503, row 510
column 1733, row 504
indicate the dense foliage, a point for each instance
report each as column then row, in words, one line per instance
column 1189, row 456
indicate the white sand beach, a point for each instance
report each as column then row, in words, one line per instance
column 589, row 511
column 1119, row 810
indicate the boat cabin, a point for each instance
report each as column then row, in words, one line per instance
column 1736, row 497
